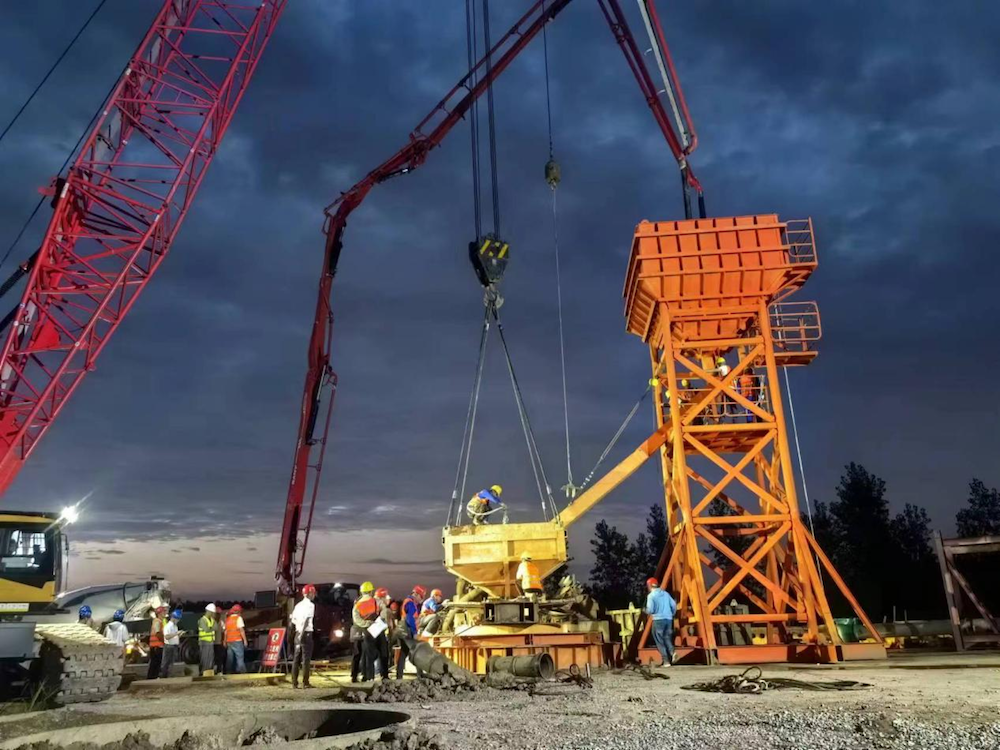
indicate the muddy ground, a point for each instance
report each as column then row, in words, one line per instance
column 915, row 702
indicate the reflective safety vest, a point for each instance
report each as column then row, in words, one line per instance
column 531, row 578
column 156, row 636
column 206, row 629
column 367, row 608
column 233, row 629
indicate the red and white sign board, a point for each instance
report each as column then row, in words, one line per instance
column 272, row 652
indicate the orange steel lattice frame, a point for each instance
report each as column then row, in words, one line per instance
column 697, row 291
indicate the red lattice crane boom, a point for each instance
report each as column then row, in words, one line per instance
column 122, row 202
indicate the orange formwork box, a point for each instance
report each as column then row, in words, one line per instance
column 709, row 298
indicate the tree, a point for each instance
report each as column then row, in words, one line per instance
column 886, row 561
column 982, row 517
column 656, row 530
column 612, row 577
column 918, row 587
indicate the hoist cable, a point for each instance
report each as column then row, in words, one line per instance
column 614, row 440
column 462, row 473
column 802, row 468
column 548, row 502
column 52, row 69
column 570, row 487
column 69, row 157
column 472, row 53
column 490, row 114
column 548, row 96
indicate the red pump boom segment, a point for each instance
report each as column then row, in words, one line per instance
column 122, row 202
column 320, row 384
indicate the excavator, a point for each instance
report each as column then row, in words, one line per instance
column 117, row 209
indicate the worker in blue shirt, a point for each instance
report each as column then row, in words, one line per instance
column 660, row 607
column 484, row 504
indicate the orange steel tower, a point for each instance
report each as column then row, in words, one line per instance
column 709, row 298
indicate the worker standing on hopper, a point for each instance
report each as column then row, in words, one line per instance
column 156, row 643
column 171, row 642
column 116, row 631
column 529, row 578
column 302, row 635
column 660, row 607
column 206, row 639
column 236, row 641
column 408, row 627
column 484, row 504
column 365, row 611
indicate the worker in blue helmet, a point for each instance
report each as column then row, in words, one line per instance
column 171, row 642
column 86, row 617
column 116, row 631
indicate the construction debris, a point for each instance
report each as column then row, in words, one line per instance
column 402, row 738
column 751, row 681
column 420, row 690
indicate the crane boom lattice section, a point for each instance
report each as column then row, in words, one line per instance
column 122, row 203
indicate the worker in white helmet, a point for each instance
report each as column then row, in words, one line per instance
column 206, row 638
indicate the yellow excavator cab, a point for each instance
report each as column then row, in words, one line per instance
column 31, row 558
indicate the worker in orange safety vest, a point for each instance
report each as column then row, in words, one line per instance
column 529, row 578
column 236, row 641
column 156, row 642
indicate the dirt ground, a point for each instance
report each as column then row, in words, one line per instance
column 946, row 701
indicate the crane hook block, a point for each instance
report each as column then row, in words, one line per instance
column 489, row 256
column 552, row 173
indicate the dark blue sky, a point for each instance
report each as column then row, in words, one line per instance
column 878, row 120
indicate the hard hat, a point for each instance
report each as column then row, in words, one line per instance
column 119, row 615
column 436, row 592
column 652, row 582
column 525, row 556
column 236, row 607
column 382, row 593
column 654, row 382
column 308, row 589
column 496, row 489
column 367, row 587
column 684, row 383
column 160, row 608
column 420, row 591
column 720, row 360
column 85, row 611
column 177, row 614
column 211, row 608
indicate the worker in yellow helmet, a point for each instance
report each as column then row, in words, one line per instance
column 529, row 578
column 484, row 504
column 366, row 609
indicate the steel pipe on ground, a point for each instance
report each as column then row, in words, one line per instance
column 539, row 666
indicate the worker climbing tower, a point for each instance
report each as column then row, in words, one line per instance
column 710, row 298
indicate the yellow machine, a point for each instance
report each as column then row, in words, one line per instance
column 487, row 556
column 40, row 651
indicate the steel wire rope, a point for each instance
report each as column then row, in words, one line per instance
column 51, row 70
column 462, row 472
column 614, row 440
column 491, row 117
column 802, row 469
column 569, row 488
column 536, row 459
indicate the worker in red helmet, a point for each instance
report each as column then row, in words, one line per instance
column 236, row 641
column 303, row 629
column 156, row 642
column 430, row 612
column 661, row 607
column 408, row 614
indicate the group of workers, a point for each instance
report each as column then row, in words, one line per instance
column 222, row 641
column 749, row 385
